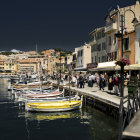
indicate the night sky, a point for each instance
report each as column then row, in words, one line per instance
column 51, row 23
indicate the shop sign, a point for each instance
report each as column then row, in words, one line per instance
column 92, row 65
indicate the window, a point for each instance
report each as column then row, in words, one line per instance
column 126, row 44
column 103, row 46
column 92, row 59
column 109, row 40
column 103, row 33
column 126, row 56
column 99, row 47
column 103, row 58
column 81, row 62
column 98, row 35
column 114, row 39
column 99, row 59
column 95, row 59
column 115, row 56
column 80, row 53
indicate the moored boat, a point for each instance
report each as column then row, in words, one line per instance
column 54, row 106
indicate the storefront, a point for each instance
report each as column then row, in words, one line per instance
column 92, row 67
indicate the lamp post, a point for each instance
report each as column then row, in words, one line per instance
column 119, row 34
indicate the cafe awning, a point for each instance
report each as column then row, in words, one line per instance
column 106, row 66
column 80, row 69
column 129, row 67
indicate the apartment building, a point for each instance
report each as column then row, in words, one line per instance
column 29, row 66
column 68, row 62
column 98, row 45
column 11, row 65
column 114, row 20
column 128, row 47
column 2, row 64
column 137, row 43
column 83, row 55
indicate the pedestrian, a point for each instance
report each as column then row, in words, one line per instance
column 110, row 84
column 101, row 82
column 81, row 80
column 119, row 82
column 97, row 80
column 115, row 83
column 73, row 81
column 90, row 80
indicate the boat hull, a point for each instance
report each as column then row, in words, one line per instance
column 54, row 107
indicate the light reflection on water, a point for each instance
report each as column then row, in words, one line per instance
column 84, row 124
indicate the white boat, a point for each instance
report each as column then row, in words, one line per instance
column 37, row 83
column 56, row 106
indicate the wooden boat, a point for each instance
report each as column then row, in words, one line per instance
column 23, row 96
column 52, row 99
column 54, row 106
column 23, row 101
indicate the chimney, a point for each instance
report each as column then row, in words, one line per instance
column 137, row 2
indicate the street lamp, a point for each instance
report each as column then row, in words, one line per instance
column 119, row 34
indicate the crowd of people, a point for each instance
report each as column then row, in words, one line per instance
column 99, row 80
column 102, row 80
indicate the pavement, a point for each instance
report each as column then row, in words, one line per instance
column 95, row 92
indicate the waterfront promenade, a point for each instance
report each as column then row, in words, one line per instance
column 112, row 101
column 132, row 131
column 105, row 96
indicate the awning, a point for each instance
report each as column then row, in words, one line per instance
column 80, row 69
column 106, row 66
column 129, row 67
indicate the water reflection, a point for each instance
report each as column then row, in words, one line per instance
column 50, row 116
column 39, row 116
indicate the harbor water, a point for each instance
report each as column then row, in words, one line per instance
column 87, row 123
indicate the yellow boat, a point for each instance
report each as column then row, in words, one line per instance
column 54, row 106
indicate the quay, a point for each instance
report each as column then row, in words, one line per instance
column 104, row 100
column 132, row 131
column 110, row 104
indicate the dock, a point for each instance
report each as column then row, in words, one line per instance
column 104, row 100
column 132, row 131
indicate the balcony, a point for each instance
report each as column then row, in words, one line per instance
column 111, row 28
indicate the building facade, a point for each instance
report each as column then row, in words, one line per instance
column 129, row 49
column 137, row 43
column 115, row 19
column 83, row 55
column 98, row 45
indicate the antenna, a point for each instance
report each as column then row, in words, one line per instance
column 36, row 48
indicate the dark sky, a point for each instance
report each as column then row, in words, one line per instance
column 51, row 23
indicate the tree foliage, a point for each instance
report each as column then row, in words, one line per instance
column 7, row 53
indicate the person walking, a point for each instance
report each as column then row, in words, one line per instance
column 90, row 81
column 115, row 83
column 110, row 84
column 81, row 81
column 101, row 82
column 97, row 80
column 73, row 81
